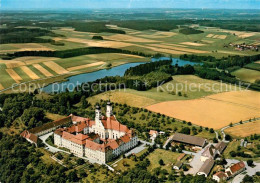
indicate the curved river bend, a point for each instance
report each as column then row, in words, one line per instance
column 115, row 71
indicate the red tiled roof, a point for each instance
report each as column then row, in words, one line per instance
column 153, row 132
column 26, row 134
column 74, row 138
column 236, row 167
column 113, row 124
column 95, row 146
column 221, row 175
column 125, row 139
column 51, row 125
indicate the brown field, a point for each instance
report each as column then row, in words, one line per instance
column 111, row 44
column 245, row 130
column 183, row 49
column 193, row 44
column 43, row 70
column 210, row 35
column 12, row 64
column 214, row 111
column 30, row 73
column 171, row 44
column 122, row 98
column 35, row 60
column 127, row 38
column 207, row 41
column 222, row 36
column 158, row 34
column 14, row 75
column 30, row 47
column 258, row 62
column 85, row 66
column 55, row 67
column 163, row 50
column 1, row 87
column 215, row 36
column 241, row 34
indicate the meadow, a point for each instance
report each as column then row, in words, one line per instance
column 189, row 86
column 248, row 75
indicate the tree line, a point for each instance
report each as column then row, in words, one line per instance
column 72, row 52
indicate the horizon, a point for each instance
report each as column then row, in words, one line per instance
column 129, row 4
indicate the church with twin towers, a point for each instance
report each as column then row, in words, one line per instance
column 101, row 139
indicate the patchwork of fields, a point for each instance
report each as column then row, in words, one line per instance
column 25, row 69
column 149, row 41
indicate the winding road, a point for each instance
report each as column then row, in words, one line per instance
column 236, row 124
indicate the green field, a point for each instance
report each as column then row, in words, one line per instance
column 247, row 75
column 190, row 86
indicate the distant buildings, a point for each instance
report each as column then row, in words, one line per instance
column 189, row 140
column 243, row 46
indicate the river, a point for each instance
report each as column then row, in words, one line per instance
column 114, row 71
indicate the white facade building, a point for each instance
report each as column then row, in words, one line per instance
column 101, row 140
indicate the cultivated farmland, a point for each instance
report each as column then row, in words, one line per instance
column 245, row 130
column 213, row 111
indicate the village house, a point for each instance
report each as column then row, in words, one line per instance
column 30, row 137
column 235, row 169
column 219, row 176
column 153, row 134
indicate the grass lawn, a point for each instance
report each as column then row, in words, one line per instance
column 168, row 157
column 248, row 75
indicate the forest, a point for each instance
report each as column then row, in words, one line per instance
column 25, row 35
column 188, row 31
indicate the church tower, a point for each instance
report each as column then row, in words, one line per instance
column 98, row 112
column 109, row 112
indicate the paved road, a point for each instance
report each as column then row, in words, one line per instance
column 226, row 127
column 49, row 147
column 168, row 141
column 139, row 148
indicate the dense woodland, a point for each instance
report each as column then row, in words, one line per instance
column 25, row 35
column 188, row 31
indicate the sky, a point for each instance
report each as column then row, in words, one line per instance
column 81, row 4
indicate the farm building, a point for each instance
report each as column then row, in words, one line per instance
column 219, row 176
column 189, row 140
column 206, row 167
column 177, row 165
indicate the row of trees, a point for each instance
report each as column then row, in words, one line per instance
column 74, row 52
